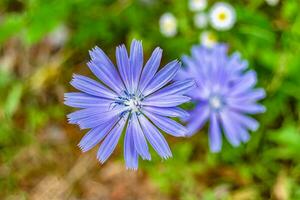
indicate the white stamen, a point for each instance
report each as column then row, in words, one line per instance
column 215, row 102
column 134, row 104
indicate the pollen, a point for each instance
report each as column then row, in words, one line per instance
column 222, row 16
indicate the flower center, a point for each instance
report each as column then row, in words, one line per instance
column 131, row 102
column 134, row 104
column 215, row 102
column 222, row 16
column 212, row 37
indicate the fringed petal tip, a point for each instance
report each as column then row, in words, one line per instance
column 131, row 168
column 81, row 147
column 148, row 157
column 167, row 156
column 101, row 160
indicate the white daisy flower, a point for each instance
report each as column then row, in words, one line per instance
column 222, row 16
column 208, row 39
column 272, row 2
column 59, row 36
column 197, row 5
column 200, row 20
column 168, row 25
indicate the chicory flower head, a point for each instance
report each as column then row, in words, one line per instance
column 225, row 94
column 132, row 99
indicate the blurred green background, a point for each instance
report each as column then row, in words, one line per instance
column 42, row 42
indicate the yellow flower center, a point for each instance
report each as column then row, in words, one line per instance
column 212, row 37
column 222, row 16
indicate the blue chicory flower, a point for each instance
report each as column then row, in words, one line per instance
column 224, row 95
column 131, row 98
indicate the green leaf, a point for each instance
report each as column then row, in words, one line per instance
column 13, row 100
column 10, row 25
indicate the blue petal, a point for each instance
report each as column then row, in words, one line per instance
column 82, row 100
column 246, row 82
column 150, row 68
column 243, row 133
column 136, row 62
column 250, row 108
column 74, row 117
column 104, row 69
column 198, row 118
column 164, row 76
column 95, row 135
column 215, row 135
column 130, row 154
column 245, row 121
column 110, row 142
column 177, row 88
column 168, row 125
column 168, row 112
column 166, row 101
column 124, row 66
column 91, row 87
column 251, row 96
column 192, row 68
column 140, row 142
column 236, row 64
column 230, row 130
column 100, row 118
column 155, row 138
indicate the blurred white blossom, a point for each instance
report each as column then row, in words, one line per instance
column 59, row 36
column 208, row 39
column 168, row 25
column 200, row 20
column 197, row 5
column 222, row 16
column 272, row 2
